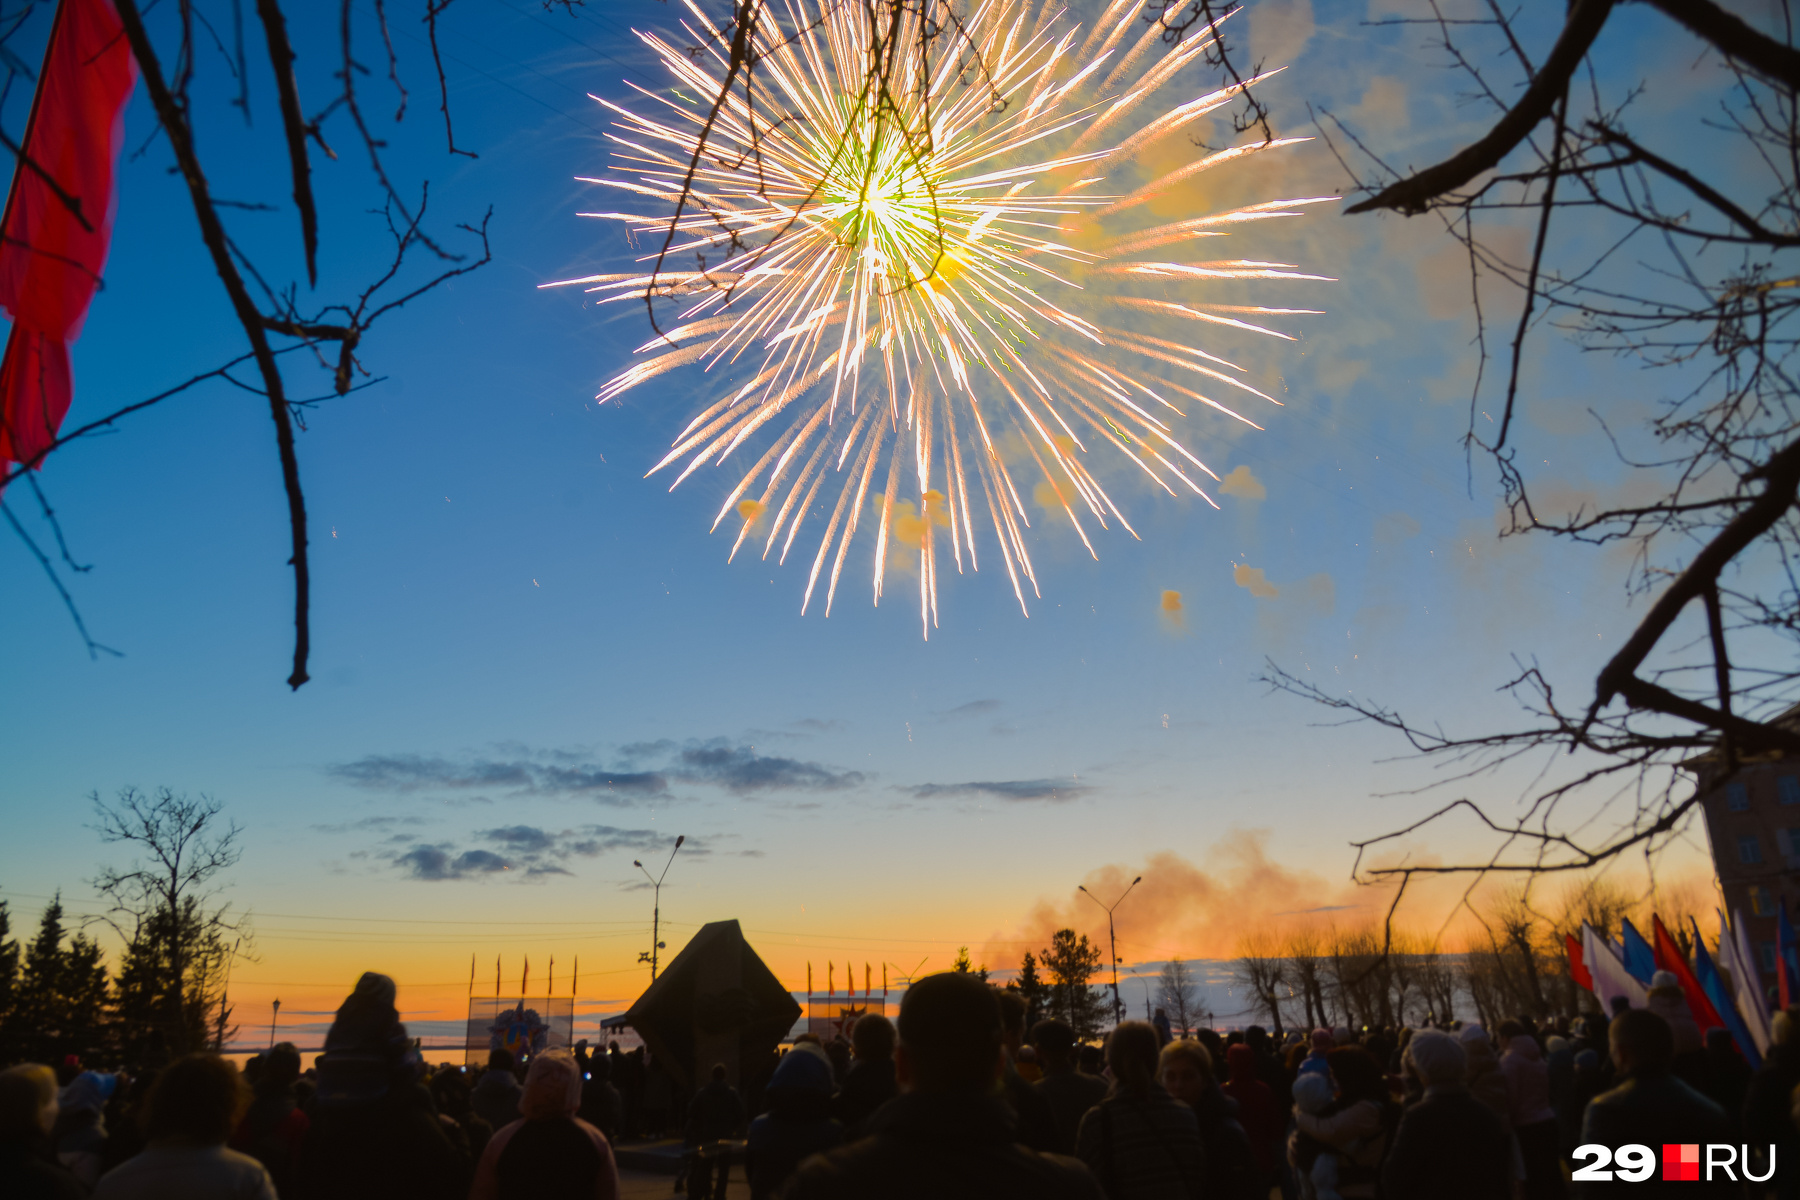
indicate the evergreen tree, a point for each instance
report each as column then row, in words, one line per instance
column 1070, row 962
column 964, row 966
column 60, row 1002
column 148, row 1027
column 85, row 995
column 1031, row 988
column 9, row 987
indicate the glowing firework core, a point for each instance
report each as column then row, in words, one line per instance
column 933, row 236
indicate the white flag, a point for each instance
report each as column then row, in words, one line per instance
column 1746, row 982
column 1609, row 974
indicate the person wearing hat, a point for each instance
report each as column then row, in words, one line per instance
column 948, row 1135
column 1482, row 1074
column 548, row 1153
column 375, row 1132
column 1449, row 1143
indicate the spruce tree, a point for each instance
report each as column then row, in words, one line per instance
column 1031, row 987
column 1070, row 962
column 60, row 1001
column 9, row 987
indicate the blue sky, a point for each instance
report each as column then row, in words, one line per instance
column 506, row 613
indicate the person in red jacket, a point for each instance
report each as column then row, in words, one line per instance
column 1258, row 1111
column 274, row 1129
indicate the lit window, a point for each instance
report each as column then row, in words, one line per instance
column 1749, row 850
column 1768, row 956
column 1737, row 796
column 1788, row 789
column 1762, row 903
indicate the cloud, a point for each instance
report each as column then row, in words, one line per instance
column 1242, row 482
column 1253, row 579
column 645, row 772
column 529, row 850
column 974, row 708
column 1056, row 791
column 741, row 769
column 412, row 772
column 437, row 863
column 370, row 823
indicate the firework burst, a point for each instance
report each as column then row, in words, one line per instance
column 912, row 284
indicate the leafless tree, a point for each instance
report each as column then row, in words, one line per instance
column 165, row 906
column 277, row 324
column 1663, row 265
column 1262, row 970
column 1178, row 996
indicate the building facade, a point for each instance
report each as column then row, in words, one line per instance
column 1753, row 823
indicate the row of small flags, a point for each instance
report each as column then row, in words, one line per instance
column 1723, row 995
column 525, row 977
column 849, row 978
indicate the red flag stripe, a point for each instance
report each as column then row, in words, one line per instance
column 1670, row 958
column 51, row 255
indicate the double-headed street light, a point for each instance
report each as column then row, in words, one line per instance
column 656, row 944
column 1113, row 941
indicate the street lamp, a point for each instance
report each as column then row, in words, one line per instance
column 1113, row 941
column 649, row 955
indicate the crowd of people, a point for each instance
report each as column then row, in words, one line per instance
column 965, row 1096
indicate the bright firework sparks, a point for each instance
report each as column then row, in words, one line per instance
column 928, row 287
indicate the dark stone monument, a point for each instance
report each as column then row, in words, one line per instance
column 715, row 1003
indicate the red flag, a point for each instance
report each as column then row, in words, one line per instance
column 1577, row 969
column 1669, row 958
column 51, row 256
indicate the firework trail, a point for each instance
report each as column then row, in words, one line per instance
column 921, row 289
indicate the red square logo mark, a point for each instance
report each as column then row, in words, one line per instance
column 1681, row 1161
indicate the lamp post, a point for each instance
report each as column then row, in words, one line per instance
column 272, row 1019
column 656, row 945
column 1112, row 939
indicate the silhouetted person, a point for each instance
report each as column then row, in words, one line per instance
column 869, row 1083
column 28, row 1170
column 274, row 1128
column 1483, row 1076
column 1070, row 1092
column 601, row 1105
column 1140, row 1142
column 193, row 1107
column 715, row 1113
column 1449, row 1144
column 798, row 1123
column 947, row 1135
column 1727, row 1077
column 496, row 1094
column 1650, row 1106
column 1230, row 1170
column 548, row 1153
column 375, row 1133
column 1533, row 1118
column 1357, row 1125
column 1768, row 1119
column 1262, row 1117
column 1036, row 1124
